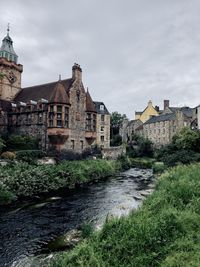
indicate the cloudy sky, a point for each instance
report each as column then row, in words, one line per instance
column 130, row 51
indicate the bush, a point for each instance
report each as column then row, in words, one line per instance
column 125, row 162
column 2, row 144
column 140, row 147
column 158, row 167
column 8, row 155
column 30, row 155
column 182, row 156
column 21, row 142
column 144, row 163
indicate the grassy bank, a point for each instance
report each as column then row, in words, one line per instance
column 25, row 180
column 164, row 232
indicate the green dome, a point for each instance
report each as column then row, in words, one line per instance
column 7, row 50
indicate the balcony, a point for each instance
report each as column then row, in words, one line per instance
column 90, row 135
column 58, row 136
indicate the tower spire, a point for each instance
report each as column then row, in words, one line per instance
column 8, row 29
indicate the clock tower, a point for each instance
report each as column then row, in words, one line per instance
column 10, row 70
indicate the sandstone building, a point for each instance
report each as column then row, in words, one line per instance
column 61, row 114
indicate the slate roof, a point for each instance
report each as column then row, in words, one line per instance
column 44, row 91
column 164, row 117
column 59, row 94
column 98, row 110
column 90, row 107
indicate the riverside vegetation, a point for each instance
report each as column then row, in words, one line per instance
column 164, row 232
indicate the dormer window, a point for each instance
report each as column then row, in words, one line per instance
column 102, row 107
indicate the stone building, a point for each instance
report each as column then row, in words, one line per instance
column 60, row 114
column 161, row 129
column 103, row 125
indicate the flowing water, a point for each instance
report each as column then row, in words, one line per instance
column 25, row 231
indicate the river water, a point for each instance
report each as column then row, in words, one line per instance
column 25, row 231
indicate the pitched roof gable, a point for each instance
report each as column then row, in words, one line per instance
column 41, row 91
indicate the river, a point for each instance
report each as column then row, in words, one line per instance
column 26, row 230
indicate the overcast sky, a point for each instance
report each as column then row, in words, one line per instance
column 130, row 51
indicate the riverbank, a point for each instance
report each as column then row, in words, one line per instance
column 25, row 180
column 164, row 232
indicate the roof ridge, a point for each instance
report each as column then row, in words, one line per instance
column 46, row 83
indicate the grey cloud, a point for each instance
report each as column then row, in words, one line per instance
column 130, row 51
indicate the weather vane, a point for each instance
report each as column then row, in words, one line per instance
column 8, row 28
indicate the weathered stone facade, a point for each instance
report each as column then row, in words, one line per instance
column 103, row 125
column 60, row 114
column 161, row 129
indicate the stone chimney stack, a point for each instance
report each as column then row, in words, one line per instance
column 157, row 108
column 77, row 72
column 166, row 104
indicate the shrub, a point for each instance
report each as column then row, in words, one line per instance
column 30, row 155
column 139, row 147
column 8, row 155
column 180, row 156
column 21, row 142
column 144, row 163
column 2, row 144
column 125, row 162
column 158, row 167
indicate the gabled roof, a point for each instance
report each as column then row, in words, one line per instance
column 164, row 117
column 44, row 91
column 89, row 103
column 98, row 110
column 59, row 94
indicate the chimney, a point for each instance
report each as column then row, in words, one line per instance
column 77, row 72
column 150, row 103
column 157, row 108
column 166, row 104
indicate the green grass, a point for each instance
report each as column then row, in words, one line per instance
column 164, row 232
column 23, row 179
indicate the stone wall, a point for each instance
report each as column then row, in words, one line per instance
column 113, row 152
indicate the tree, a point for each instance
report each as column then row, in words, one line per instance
column 115, row 124
column 187, row 139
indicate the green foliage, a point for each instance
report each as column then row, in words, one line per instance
column 20, row 142
column 87, row 229
column 2, row 144
column 125, row 162
column 116, row 140
column 187, row 139
column 30, row 155
column 144, row 163
column 140, row 147
column 8, row 155
column 158, row 167
column 23, row 179
column 165, row 232
column 184, row 148
column 1, row 76
column 116, row 121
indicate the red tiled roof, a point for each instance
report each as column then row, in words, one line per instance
column 44, row 91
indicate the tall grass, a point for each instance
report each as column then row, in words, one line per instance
column 23, row 179
column 164, row 232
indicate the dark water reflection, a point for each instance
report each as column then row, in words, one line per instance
column 24, row 232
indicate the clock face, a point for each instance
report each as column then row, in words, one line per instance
column 11, row 77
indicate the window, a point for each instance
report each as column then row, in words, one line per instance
column 40, row 117
column 102, row 107
column 102, row 128
column 51, row 108
column 59, row 109
column 81, row 144
column 102, row 138
column 72, row 144
column 59, row 116
column 102, row 117
column 66, row 117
